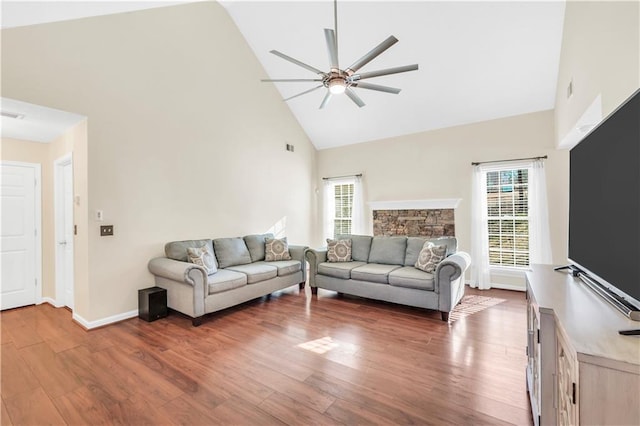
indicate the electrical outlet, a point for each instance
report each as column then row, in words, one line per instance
column 106, row 230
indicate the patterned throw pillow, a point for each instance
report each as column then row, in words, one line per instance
column 338, row 250
column 201, row 256
column 276, row 249
column 430, row 256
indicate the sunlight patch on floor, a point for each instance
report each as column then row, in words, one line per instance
column 319, row 346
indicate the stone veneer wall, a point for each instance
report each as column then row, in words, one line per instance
column 414, row 223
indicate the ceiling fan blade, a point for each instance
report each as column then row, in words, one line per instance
column 297, row 62
column 355, row 98
column 390, row 41
column 332, row 47
column 303, row 93
column 369, row 86
column 290, row 80
column 388, row 71
column 326, row 100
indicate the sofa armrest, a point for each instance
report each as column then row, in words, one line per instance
column 173, row 269
column 297, row 253
column 314, row 257
column 174, row 272
column 449, row 279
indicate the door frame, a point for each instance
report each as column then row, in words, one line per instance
column 58, row 220
column 37, row 168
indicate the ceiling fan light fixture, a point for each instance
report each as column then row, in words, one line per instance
column 337, row 86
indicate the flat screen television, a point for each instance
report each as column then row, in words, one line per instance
column 604, row 206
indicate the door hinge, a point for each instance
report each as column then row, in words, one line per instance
column 538, row 335
column 36, row 282
column 573, row 395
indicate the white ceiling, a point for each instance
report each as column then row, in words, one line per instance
column 37, row 123
column 478, row 60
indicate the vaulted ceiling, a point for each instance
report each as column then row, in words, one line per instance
column 478, row 60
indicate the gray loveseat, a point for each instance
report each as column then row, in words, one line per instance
column 242, row 274
column 382, row 268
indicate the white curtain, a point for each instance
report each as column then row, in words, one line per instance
column 328, row 212
column 539, row 239
column 480, row 276
column 357, row 213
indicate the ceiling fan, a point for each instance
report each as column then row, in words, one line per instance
column 338, row 80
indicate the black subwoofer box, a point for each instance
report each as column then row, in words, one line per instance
column 152, row 303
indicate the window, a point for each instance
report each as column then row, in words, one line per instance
column 342, row 206
column 343, row 211
column 508, row 217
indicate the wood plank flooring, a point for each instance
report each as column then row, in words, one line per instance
column 292, row 359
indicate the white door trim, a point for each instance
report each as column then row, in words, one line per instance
column 59, row 198
column 38, row 219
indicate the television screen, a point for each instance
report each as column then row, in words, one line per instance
column 604, row 206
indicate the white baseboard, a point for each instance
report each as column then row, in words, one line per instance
column 104, row 321
column 513, row 287
column 50, row 301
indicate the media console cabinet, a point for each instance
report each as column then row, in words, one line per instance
column 579, row 369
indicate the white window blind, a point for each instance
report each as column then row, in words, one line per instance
column 343, row 212
column 508, row 217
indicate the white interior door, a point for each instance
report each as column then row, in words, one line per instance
column 19, row 188
column 64, row 231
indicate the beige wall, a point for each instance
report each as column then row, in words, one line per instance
column 183, row 139
column 601, row 53
column 437, row 164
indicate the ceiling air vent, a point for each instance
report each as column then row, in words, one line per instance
column 12, row 115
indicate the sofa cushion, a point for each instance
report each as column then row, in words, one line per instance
column 202, row 256
column 256, row 272
column 430, row 256
column 414, row 245
column 225, row 280
column 388, row 250
column 177, row 250
column 231, row 252
column 360, row 246
column 450, row 242
column 255, row 244
column 276, row 249
column 338, row 269
column 373, row 272
column 410, row 277
column 285, row 267
column 338, row 250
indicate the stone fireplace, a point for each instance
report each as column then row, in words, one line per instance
column 416, row 218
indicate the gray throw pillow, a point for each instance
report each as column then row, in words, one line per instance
column 430, row 256
column 338, row 250
column 203, row 257
column 276, row 249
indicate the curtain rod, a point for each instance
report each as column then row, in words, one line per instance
column 477, row 163
column 340, row 177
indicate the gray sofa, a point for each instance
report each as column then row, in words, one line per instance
column 382, row 268
column 242, row 274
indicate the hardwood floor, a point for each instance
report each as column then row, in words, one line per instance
column 293, row 359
